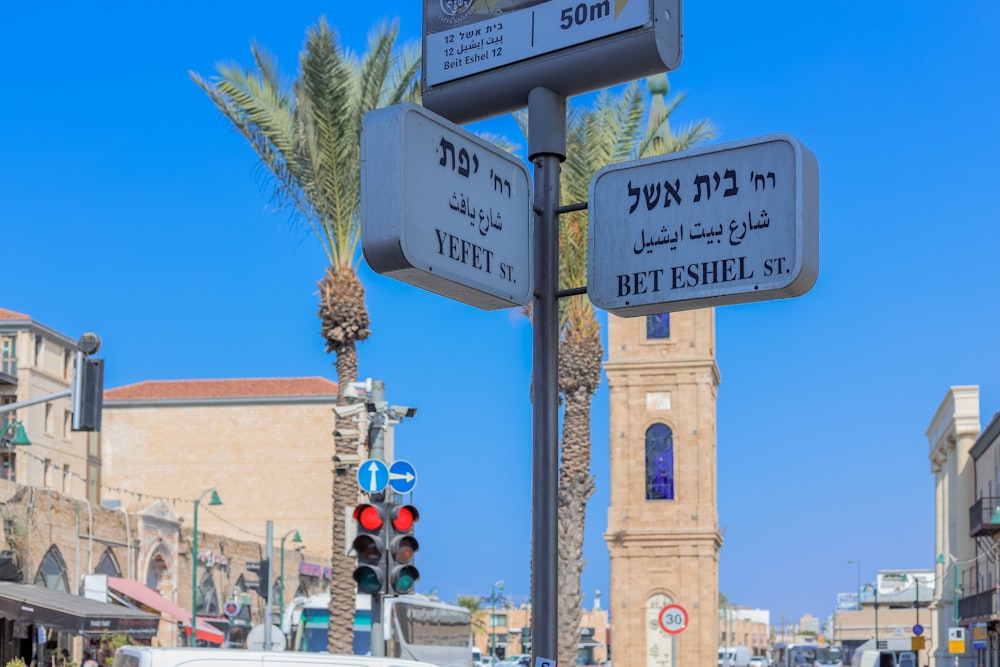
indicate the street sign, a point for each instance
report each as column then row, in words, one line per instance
column 444, row 210
column 956, row 640
column 481, row 59
column 231, row 608
column 373, row 476
column 673, row 619
column 402, row 476
column 918, row 629
column 733, row 223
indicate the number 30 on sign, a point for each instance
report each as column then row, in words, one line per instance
column 673, row 619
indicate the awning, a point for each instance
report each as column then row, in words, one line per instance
column 71, row 613
column 147, row 597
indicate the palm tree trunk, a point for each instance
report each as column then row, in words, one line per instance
column 340, row 633
column 580, row 353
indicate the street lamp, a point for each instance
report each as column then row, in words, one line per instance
column 194, row 561
column 281, row 586
column 13, row 434
column 874, row 588
column 496, row 594
column 859, row 580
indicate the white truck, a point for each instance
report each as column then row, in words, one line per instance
column 734, row 656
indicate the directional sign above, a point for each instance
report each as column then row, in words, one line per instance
column 373, row 476
column 445, row 210
column 732, row 223
column 402, row 476
column 482, row 58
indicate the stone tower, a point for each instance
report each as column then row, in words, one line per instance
column 663, row 527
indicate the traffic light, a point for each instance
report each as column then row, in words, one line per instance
column 88, row 394
column 369, row 545
column 402, row 547
column 262, row 569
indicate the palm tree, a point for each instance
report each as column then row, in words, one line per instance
column 307, row 134
column 609, row 132
column 474, row 604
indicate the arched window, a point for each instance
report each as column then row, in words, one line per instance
column 108, row 565
column 208, row 597
column 157, row 570
column 52, row 571
column 659, row 462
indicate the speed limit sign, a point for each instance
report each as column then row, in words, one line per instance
column 673, row 619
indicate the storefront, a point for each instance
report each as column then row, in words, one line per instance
column 34, row 620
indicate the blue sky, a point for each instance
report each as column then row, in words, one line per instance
column 131, row 209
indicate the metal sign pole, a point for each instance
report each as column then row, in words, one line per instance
column 546, row 149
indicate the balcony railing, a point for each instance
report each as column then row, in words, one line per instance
column 984, row 516
column 979, row 606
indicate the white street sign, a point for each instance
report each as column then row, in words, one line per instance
column 481, row 59
column 733, row 223
column 445, row 210
column 488, row 41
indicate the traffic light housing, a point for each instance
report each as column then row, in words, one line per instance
column 88, row 394
column 369, row 545
column 262, row 569
column 402, row 548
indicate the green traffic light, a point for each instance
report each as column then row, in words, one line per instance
column 368, row 579
column 403, row 579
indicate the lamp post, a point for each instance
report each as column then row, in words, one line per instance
column 874, row 588
column 496, row 593
column 281, row 586
column 194, row 561
column 858, row 562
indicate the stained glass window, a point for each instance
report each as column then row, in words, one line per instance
column 659, row 462
column 658, row 326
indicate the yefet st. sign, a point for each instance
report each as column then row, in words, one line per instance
column 445, row 210
column 733, row 223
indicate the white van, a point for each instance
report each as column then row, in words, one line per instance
column 729, row 656
column 146, row 656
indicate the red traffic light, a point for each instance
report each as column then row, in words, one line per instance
column 369, row 517
column 403, row 517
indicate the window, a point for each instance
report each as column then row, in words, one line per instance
column 67, row 425
column 658, row 326
column 39, row 349
column 49, row 419
column 67, row 363
column 208, row 597
column 65, row 478
column 52, row 571
column 659, row 462
column 108, row 565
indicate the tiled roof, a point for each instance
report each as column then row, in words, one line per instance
column 235, row 388
column 11, row 315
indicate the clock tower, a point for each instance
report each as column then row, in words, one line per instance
column 663, row 526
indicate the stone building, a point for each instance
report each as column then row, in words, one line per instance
column 119, row 504
column 663, row 529
column 509, row 633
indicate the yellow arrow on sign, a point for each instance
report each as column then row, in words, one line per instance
column 619, row 6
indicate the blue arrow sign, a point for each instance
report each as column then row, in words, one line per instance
column 373, row 476
column 402, row 476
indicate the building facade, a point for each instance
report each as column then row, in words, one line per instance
column 76, row 504
column 951, row 435
column 663, row 533
column 509, row 633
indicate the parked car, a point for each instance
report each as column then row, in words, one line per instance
column 522, row 659
column 758, row 661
